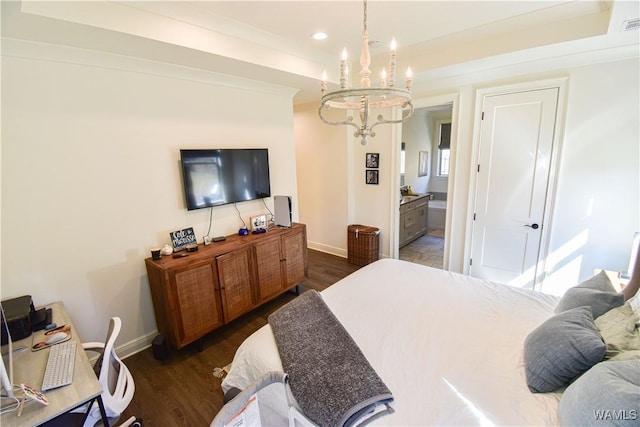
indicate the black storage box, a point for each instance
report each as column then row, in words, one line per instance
column 17, row 312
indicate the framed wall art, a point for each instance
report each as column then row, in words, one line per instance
column 373, row 160
column 372, row 176
column 423, row 163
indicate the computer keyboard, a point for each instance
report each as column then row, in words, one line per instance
column 59, row 370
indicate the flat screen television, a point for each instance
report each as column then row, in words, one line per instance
column 214, row 177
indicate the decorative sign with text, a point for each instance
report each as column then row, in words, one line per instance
column 182, row 238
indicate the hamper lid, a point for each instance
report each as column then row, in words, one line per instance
column 365, row 229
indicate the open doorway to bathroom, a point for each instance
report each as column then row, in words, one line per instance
column 424, row 170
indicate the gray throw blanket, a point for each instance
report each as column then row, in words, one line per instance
column 330, row 378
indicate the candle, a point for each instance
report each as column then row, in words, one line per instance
column 323, row 83
column 384, row 77
column 392, row 64
column 343, row 69
column 409, row 79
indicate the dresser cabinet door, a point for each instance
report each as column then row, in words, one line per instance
column 196, row 299
column 236, row 282
column 294, row 248
column 270, row 276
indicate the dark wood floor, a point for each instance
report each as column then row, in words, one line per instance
column 182, row 390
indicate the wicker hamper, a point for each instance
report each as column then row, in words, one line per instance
column 363, row 244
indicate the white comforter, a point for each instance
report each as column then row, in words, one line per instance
column 448, row 346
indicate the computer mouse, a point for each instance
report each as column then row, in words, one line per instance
column 55, row 338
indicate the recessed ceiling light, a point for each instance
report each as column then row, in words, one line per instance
column 319, row 35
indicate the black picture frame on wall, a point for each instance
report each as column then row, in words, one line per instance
column 372, row 176
column 372, row 160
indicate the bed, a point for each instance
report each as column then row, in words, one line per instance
column 448, row 346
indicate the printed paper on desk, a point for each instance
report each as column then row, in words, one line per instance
column 249, row 415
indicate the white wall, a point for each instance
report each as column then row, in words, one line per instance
column 598, row 181
column 91, row 177
column 417, row 134
column 322, row 182
column 597, row 208
column 331, row 184
column 421, row 134
column 370, row 204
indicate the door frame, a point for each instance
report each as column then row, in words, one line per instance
column 452, row 98
column 558, row 136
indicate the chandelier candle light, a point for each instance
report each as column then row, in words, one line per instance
column 367, row 98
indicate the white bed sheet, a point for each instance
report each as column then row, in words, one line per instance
column 448, row 346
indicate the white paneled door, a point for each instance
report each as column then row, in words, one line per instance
column 514, row 162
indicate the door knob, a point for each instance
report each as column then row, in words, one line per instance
column 534, row 226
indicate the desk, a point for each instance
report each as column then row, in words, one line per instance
column 28, row 368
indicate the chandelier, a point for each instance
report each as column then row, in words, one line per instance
column 367, row 98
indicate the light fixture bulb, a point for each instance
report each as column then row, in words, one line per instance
column 319, row 35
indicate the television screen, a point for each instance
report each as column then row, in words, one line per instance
column 218, row 177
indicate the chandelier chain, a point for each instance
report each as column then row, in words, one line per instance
column 364, row 23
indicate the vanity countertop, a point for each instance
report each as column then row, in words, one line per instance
column 412, row 197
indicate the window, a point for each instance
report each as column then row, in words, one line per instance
column 444, row 148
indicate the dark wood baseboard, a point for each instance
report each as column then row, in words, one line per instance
column 182, row 391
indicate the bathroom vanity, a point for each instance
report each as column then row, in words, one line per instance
column 413, row 217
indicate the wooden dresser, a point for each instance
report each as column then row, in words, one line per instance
column 198, row 293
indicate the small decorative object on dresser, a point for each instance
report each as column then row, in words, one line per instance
column 182, row 238
column 258, row 222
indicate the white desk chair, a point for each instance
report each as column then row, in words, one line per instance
column 114, row 377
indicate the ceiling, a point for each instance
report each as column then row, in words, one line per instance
column 271, row 41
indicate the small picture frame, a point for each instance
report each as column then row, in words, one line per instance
column 372, row 160
column 258, row 222
column 423, row 163
column 372, row 176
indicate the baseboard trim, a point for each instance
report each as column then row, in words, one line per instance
column 136, row 345
column 332, row 250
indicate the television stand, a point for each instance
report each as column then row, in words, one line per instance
column 195, row 295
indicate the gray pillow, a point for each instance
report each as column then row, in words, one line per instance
column 607, row 395
column 596, row 292
column 561, row 349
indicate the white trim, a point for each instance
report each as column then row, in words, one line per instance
column 130, row 348
column 341, row 252
column 86, row 57
column 394, row 190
